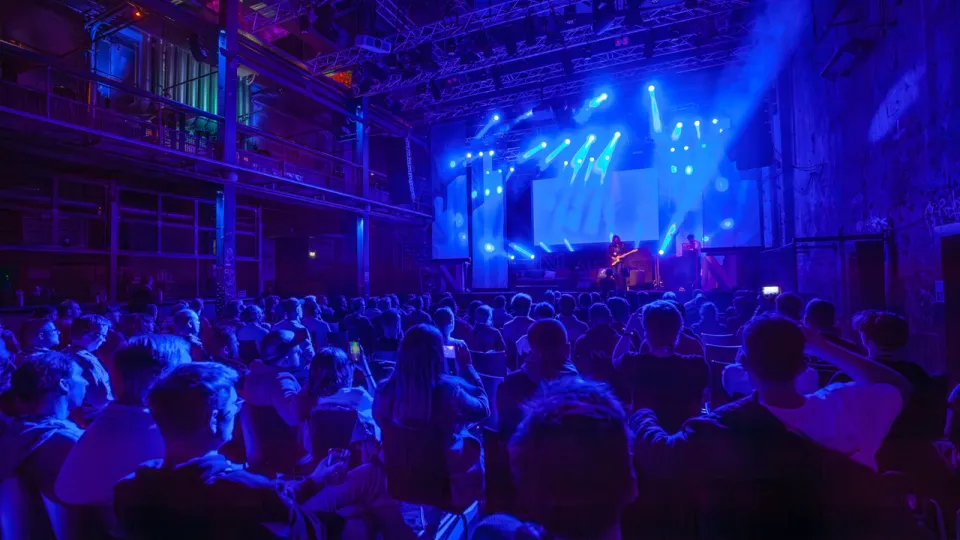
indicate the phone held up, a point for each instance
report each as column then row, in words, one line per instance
column 355, row 351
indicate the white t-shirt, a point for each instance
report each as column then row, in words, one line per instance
column 736, row 381
column 851, row 418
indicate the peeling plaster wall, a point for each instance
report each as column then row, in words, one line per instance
column 880, row 148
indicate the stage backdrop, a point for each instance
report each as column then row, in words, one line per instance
column 449, row 230
column 624, row 203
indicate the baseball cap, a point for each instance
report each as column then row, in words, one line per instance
column 278, row 343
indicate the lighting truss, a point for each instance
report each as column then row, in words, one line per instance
column 564, row 88
column 267, row 13
column 481, row 19
column 397, row 19
column 614, row 57
column 573, row 37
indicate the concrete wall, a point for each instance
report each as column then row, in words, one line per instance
column 880, row 148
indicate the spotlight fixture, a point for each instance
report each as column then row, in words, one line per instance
column 579, row 161
column 469, row 155
column 685, row 148
column 660, row 252
column 721, row 130
column 607, row 158
column 565, row 163
column 496, row 118
column 543, row 144
column 480, row 154
column 511, row 169
column 671, row 149
column 592, row 138
column 491, row 152
column 566, row 141
column 499, row 190
column 688, row 170
column 591, row 160
column 651, row 88
column 616, row 135
column 696, row 123
column 679, row 124
column 453, row 164
column 500, row 171
column 703, row 145
column 486, row 192
column 673, row 169
column 715, row 121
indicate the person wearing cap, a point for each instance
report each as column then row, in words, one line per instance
column 277, row 405
column 291, row 313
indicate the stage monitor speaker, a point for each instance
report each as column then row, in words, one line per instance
column 398, row 174
column 868, row 276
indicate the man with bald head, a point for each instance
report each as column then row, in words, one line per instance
column 549, row 360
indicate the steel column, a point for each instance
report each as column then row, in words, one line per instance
column 228, row 38
column 363, row 220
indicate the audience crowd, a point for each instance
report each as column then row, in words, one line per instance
column 575, row 417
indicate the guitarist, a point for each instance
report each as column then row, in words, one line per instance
column 615, row 251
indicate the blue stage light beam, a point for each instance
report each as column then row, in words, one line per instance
column 580, row 157
column 696, row 124
column 546, row 247
column 666, row 239
column 606, row 156
column 494, row 119
column 567, row 243
column 534, row 149
column 556, row 151
column 655, row 111
column 676, row 132
column 595, row 102
column 521, row 250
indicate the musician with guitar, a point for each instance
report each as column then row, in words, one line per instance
column 617, row 251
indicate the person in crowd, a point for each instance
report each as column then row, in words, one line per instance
column 690, row 343
column 87, row 334
column 709, row 321
column 10, row 341
column 572, row 422
column 790, row 305
column 357, row 326
column 693, row 306
column 8, row 406
column 884, row 335
column 744, row 308
column 372, row 311
column 484, row 337
column 136, row 324
column 658, row 378
column 500, row 314
column 593, row 351
column 254, row 328
column 277, row 404
column 608, row 283
column 193, row 491
column 472, row 311
column 390, row 332
column 45, row 312
column 620, row 310
column 270, row 304
column 445, row 321
column 584, row 303
column 517, row 327
column 780, row 460
column 461, row 328
column 331, row 386
column 33, row 445
column 736, row 381
column 186, row 324
column 224, row 348
column 124, row 435
column 291, row 317
column 549, row 360
column 575, row 328
column 421, row 393
column 314, row 323
column 40, row 336
column 541, row 311
column 142, row 295
column 67, row 311
column 196, row 305
column 326, row 312
column 417, row 315
column 821, row 316
column 230, row 314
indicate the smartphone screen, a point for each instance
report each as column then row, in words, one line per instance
column 771, row 290
column 449, row 351
column 355, row 351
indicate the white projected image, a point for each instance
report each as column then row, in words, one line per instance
column 581, row 212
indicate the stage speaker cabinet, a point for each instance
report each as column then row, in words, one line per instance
column 754, row 146
column 373, row 44
column 395, row 154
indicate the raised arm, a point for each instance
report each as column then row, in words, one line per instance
column 859, row 368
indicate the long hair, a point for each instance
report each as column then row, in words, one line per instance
column 419, row 369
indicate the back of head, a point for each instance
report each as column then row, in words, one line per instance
column 383, row 304
column 223, row 342
column 183, row 318
column 883, row 330
column 183, row 402
column 448, row 302
column 196, row 305
column 567, row 305
column 619, row 308
column 662, row 323
column 595, row 297
column 773, row 349
column 520, row 305
column 669, row 295
column 790, row 305
column 820, row 314
column 330, row 371
column 390, row 319
column 358, row 304
column 585, row 300
column 543, row 310
column 483, row 315
column 232, row 309
column 708, row 311
column 419, row 368
column 743, row 305
column 548, row 345
column 311, row 309
column 44, row 312
column 549, row 297
column 574, row 422
column 417, row 303
column 443, row 318
column 251, row 314
column 40, row 376
column 67, row 309
column 633, row 299
column 599, row 314
column 89, row 325
column 135, row 324
column 472, row 308
column 143, row 360
column 500, row 302
column 290, row 308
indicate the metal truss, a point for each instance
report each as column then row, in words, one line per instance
column 502, row 13
column 573, row 37
column 397, row 19
column 273, row 12
column 614, row 57
column 564, row 88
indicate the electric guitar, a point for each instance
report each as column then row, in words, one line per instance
column 618, row 258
